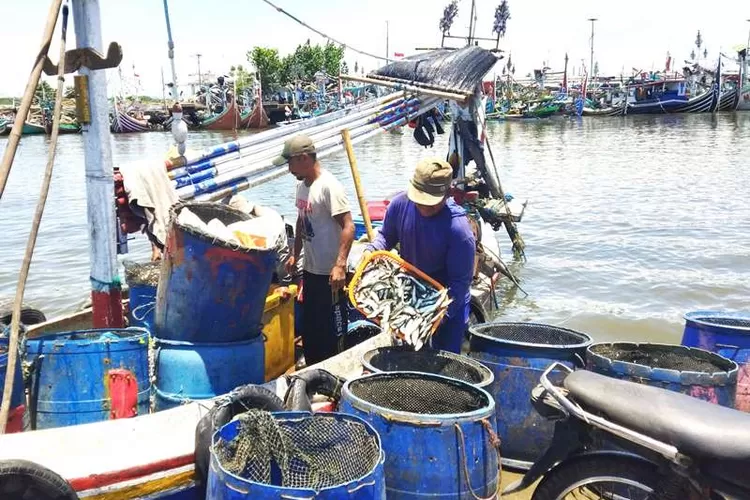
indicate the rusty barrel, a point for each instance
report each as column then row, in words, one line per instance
column 518, row 354
column 88, row 376
column 728, row 334
column 211, row 290
column 695, row 372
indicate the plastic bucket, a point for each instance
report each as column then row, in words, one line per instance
column 517, row 354
column 365, row 482
column 728, row 334
column 88, row 376
column 187, row 371
column 447, row 364
column 211, row 290
column 695, row 372
column 433, row 429
column 17, row 397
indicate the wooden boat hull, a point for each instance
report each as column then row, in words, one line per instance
column 32, row 129
column 65, row 128
column 124, row 124
column 257, row 118
column 229, row 119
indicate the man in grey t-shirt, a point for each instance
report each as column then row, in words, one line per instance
column 326, row 231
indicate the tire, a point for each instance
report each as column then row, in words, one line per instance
column 29, row 315
column 22, row 480
column 561, row 480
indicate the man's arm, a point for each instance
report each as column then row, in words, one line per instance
column 338, row 273
column 387, row 237
column 291, row 263
column 460, row 265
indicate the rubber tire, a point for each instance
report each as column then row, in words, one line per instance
column 559, row 479
column 29, row 315
column 24, row 480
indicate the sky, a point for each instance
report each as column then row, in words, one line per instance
column 635, row 34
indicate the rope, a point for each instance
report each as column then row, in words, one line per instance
column 24, row 274
column 495, row 443
column 346, row 46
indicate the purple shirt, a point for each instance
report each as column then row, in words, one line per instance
column 441, row 246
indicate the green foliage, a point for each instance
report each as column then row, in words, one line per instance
column 302, row 64
column 242, row 78
column 44, row 93
column 268, row 63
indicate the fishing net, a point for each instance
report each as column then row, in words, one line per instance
column 734, row 322
column 312, row 452
column 453, row 70
column 447, row 364
column 666, row 357
column 142, row 274
column 531, row 333
column 420, row 393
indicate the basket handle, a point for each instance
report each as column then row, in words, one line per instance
column 495, row 443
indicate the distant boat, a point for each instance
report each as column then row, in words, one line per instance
column 257, row 118
column 4, row 127
column 228, row 119
column 124, row 123
column 65, row 128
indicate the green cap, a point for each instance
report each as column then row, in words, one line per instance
column 294, row 146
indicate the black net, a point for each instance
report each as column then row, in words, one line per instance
column 142, row 274
column 101, row 335
column 392, row 359
column 664, row 356
column 315, row 452
column 735, row 322
column 531, row 333
column 419, row 393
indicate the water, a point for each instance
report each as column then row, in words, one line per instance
column 631, row 222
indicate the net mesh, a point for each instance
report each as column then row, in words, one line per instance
column 391, row 359
column 142, row 274
column 419, row 393
column 737, row 322
column 312, row 452
column 531, row 333
column 665, row 357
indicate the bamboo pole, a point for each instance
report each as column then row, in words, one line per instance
column 31, row 243
column 357, row 183
column 28, row 95
column 408, row 87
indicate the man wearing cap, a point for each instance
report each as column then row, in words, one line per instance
column 325, row 229
column 434, row 235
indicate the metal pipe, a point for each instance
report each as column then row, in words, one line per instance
column 106, row 291
column 170, row 45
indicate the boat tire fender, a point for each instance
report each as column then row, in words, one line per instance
column 29, row 315
column 21, row 479
column 241, row 399
column 303, row 387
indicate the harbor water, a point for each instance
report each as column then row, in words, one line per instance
column 631, row 222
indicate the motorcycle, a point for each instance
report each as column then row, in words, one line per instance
column 616, row 439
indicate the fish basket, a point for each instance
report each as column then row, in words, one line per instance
column 297, row 455
column 406, row 268
column 447, row 364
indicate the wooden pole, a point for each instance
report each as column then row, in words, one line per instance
column 357, row 183
column 23, row 110
column 31, row 242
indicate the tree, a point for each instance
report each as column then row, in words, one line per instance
column 44, row 93
column 332, row 56
column 242, row 78
column 267, row 62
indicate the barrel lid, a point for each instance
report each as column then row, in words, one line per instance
column 734, row 320
column 531, row 335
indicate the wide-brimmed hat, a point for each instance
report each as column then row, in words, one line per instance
column 431, row 182
column 294, row 146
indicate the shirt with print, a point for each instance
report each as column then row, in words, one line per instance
column 317, row 205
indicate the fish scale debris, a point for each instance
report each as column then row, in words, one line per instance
column 406, row 307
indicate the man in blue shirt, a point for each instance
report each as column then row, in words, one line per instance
column 435, row 236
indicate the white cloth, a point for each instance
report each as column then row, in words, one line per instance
column 148, row 186
column 317, row 205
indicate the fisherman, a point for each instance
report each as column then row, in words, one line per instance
column 326, row 231
column 435, row 236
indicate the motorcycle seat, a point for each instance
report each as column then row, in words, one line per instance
column 696, row 428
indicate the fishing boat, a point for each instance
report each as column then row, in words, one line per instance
column 3, row 127
column 255, row 118
column 30, row 128
column 123, row 123
column 228, row 119
column 65, row 128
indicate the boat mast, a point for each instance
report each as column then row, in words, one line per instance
column 387, row 45
column 471, row 22
column 106, row 294
column 170, row 44
column 591, row 63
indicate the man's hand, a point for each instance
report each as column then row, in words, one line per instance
column 337, row 279
column 290, row 265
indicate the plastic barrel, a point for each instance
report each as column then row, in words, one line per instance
column 88, row 376
column 186, row 371
column 433, row 429
column 727, row 334
column 223, row 485
column 695, row 372
column 17, row 397
column 142, row 280
column 447, row 364
column 210, row 290
column 518, row 354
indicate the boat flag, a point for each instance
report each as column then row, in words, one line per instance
column 398, row 54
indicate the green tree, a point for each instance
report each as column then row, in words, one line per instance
column 44, row 92
column 242, row 78
column 333, row 55
column 268, row 63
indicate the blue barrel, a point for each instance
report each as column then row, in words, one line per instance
column 17, row 395
column 88, row 376
column 211, row 290
column 347, row 447
column 518, row 354
column 433, row 429
column 728, row 334
column 186, row 371
column 695, row 372
column 142, row 280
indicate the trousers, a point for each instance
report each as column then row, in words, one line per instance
column 324, row 319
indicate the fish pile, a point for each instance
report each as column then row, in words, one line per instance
column 406, row 306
